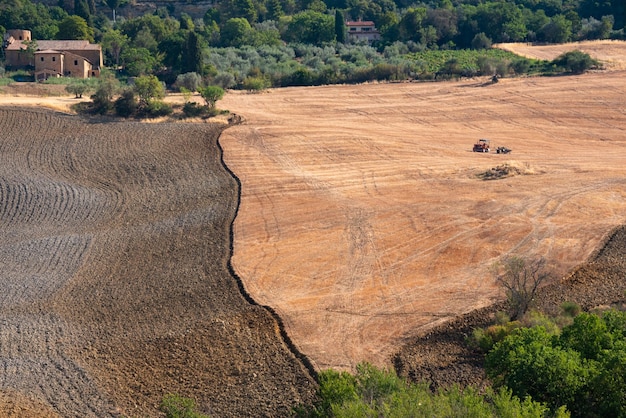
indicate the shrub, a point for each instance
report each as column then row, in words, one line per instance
column 224, row 80
column 575, row 62
column 156, row 109
column 211, row 94
column 190, row 81
column 175, row 406
column 254, row 83
column 126, row 104
column 193, row 109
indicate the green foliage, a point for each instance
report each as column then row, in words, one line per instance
column 575, row 62
column 254, row 84
column 175, row 406
column 126, row 105
column 311, row 27
column 148, row 88
column 193, row 109
column 75, row 27
column 103, row 96
column 373, row 392
column 583, row 367
column 78, row 87
column 190, row 81
column 154, row 109
column 211, row 94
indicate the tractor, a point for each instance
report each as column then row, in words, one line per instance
column 481, row 146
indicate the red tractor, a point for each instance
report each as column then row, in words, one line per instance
column 481, row 146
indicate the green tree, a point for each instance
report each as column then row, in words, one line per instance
column 138, row 61
column 211, row 94
column 191, row 56
column 559, row 30
column 236, row 32
column 530, row 363
column 78, row 88
column 75, row 27
column 148, row 88
column 113, row 42
column 340, row 27
column 311, row 27
column 102, row 98
column 114, row 5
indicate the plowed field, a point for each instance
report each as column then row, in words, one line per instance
column 114, row 249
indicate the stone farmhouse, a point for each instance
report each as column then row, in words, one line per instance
column 62, row 58
column 363, row 30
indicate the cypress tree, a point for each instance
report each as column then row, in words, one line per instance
column 340, row 27
column 191, row 56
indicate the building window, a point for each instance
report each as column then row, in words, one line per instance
column 75, row 62
column 54, row 59
column 41, row 59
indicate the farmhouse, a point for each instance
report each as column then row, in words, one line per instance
column 54, row 58
column 363, row 31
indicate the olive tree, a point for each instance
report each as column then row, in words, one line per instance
column 211, row 94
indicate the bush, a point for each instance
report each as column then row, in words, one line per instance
column 175, row 406
column 193, row 109
column 126, row 104
column 575, row 62
column 190, row 81
column 155, row 109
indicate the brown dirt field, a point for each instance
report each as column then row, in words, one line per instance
column 363, row 221
column 114, row 252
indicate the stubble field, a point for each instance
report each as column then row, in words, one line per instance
column 363, row 222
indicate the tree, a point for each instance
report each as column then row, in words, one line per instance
column 113, row 5
column 340, row 27
column 236, row 32
column 148, row 88
column 113, row 41
column 191, row 55
column 138, row 61
column 520, row 279
column 75, row 27
column 311, row 27
column 211, row 94
column 531, row 364
column 559, row 30
column 78, row 88
column 102, row 98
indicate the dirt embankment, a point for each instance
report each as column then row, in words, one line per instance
column 443, row 357
column 115, row 244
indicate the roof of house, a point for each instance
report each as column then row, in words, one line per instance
column 62, row 45
column 360, row 23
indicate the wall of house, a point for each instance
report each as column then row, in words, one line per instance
column 49, row 61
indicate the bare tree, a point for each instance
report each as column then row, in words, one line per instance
column 520, row 279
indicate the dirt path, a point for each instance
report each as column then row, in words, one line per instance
column 363, row 221
column 114, row 249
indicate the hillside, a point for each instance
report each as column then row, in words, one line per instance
column 363, row 221
column 115, row 244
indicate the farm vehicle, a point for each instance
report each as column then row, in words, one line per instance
column 484, row 145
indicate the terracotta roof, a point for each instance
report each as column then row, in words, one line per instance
column 48, row 51
column 57, row 45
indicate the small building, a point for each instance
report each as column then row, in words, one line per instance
column 363, row 31
column 72, row 58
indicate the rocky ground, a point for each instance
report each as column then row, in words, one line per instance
column 443, row 357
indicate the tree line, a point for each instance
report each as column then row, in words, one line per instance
column 168, row 46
